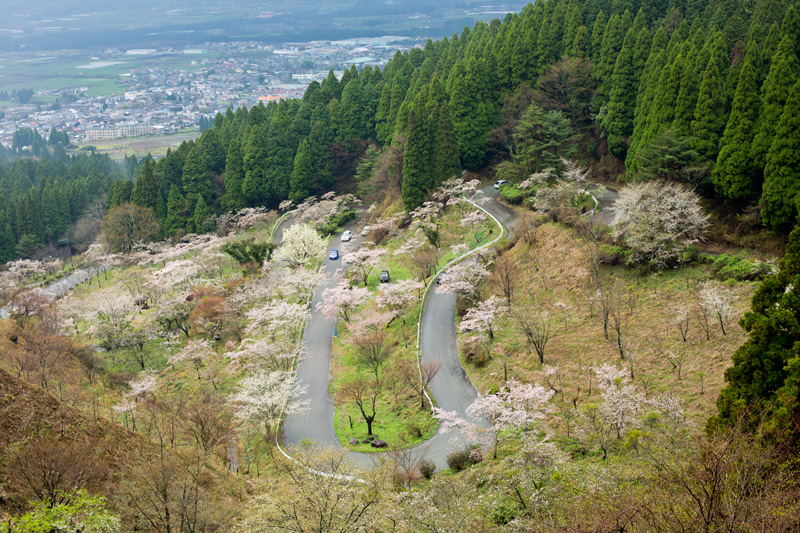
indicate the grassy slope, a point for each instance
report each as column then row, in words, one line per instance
column 556, row 270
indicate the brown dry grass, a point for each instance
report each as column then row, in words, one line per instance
column 556, row 269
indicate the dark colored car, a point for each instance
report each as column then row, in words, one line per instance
column 384, row 276
column 334, row 254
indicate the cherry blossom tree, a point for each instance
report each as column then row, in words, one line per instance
column 265, row 354
column 397, row 297
column 657, row 219
column 424, row 220
column 301, row 247
column 195, row 351
column 362, row 263
column 278, row 317
column 455, row 191
column 28, row 302
column 286, row 283
column 513, row 409
column 174, row 315
column 341, row 301
column 371, row 343
column 483, row 316
column 717, row 302
column 505, row 276
column 473, row 222
column 266, row 394
column 465, row 279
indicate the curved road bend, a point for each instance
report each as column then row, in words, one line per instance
column 451, row 388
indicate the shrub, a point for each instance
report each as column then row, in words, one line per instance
column 613, row 255
column 461, row 459
column 727, row 267
column 474, row 351
column 427, row 468
column 511, row 195
column 338, row 220
column 505, row 513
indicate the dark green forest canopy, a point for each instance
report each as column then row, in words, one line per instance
column 667, row 89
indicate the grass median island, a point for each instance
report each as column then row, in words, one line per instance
column 400, row 417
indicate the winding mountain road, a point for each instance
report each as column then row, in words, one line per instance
column 452, row 389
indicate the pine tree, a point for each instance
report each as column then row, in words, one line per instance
column 446, row 164
column 709, row 112
column 417, row 160
column 234, row 177
column 618, row 123
column 196, row 177
column 779, row 202
column 302, row 179
column 145, row 192
column 254, row 185
column 734, row 171
column 597, row 35
column 176, row 211
column 201, row 214
column 470, row 121
column 783, row 74
column 687, row 96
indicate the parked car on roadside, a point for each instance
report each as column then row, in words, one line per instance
column 347, row 235
column 499, row 183
column 365, row 231
column 384, row 276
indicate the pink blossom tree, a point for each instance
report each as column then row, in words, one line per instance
column 465, row 279
column 483, row 316
column 278, row 317
column 264, row 395
column 196, row 351
column 342, row 300
column 362, row 263
column 265, row 354
column 397, row 297
column 473, row 222
column 502, row 415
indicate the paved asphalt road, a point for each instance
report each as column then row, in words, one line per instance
column 451, row 388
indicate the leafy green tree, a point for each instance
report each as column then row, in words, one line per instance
column 145, row 192
column 671, row 157
column 542, row 139
column 734, row 171
column 766, row 368
column 302, row 180
column 781, row 193
column 213, row 151
column 234, row 177
column 81, row 512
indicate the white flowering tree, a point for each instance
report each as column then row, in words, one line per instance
column 473, row 222
column 483, row 316
column 656, row 220
column 465, row 279
column 717, row 302
column 515, row 408
column 301, row 247
column 266, row 394
column 196, row 352
column 362, row 263
column 265, row 354
column 278, row 317
column 396, row 298
column 342, row 300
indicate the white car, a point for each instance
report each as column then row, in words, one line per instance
column 365, row 231
column 347, row 235
column 498, row 183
